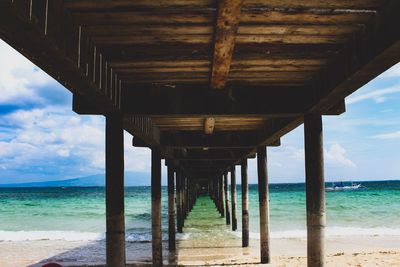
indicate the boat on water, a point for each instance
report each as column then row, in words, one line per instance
column 342, row 187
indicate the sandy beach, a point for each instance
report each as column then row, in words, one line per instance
column 341, row 251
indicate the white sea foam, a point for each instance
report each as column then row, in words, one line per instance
column 332, row 232
column 182, row 236
column 49, row 235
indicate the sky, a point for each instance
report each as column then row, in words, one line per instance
column 42, row 139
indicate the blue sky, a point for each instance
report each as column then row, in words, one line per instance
column 42, row 139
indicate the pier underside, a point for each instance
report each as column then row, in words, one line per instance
column 206, row 85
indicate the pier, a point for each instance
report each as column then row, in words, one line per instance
column 207, row 85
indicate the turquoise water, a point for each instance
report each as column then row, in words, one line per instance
column 79, row 213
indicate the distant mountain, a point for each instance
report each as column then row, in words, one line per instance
column 131, row 179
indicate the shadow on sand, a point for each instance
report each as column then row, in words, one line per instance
column 209, row 242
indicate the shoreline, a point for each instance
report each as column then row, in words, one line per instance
column 341, row 251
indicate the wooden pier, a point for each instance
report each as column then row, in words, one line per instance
column 207, row 85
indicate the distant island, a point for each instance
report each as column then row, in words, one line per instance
column 131, row 179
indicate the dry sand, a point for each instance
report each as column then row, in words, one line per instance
column 341, row 251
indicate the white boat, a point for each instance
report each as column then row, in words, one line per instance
column 341, row 187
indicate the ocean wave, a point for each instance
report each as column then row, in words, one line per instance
column 331, row 232
column 138, row 237
column 76, row 236
column 50, row 235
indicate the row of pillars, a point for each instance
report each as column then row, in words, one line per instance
column 187, row 192
column 219, row 193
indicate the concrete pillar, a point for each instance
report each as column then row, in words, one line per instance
column 315, row 190
column 233, row 196
column 156, row 206
column 245, row 204
column 171, row 210
column 263, row 196
column 226, row 191
column 115, row 221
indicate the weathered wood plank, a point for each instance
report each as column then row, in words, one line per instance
column 206, row 17
column 207, row 39
column 206, row 63
column 304, row 17
column 322, row 4
column 137, row 4
column 221, row 123
column 124, row 4
column 146, row 17
column 158, row 31
column 226, row 28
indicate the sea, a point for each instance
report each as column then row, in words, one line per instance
column 78, row 213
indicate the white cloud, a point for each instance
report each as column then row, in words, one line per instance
column 392, row 135
column 40, row 136
column 378, row 95
column 136, row 158
column 336, row 155
column 19, row 77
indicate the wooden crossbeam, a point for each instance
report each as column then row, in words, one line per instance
column 226, row 29
column 273, row 102
column 215, row 154
column 289, row 101
column 218, row 140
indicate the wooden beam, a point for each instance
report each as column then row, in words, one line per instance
column 233, row 197
column 315, row 190
column 311, row 4
column 265, row 101
column 226, row 195
column 263, row 196
column 156, row 207
column 210, row 154
column 245, row 204
column 209, row 124
column 226, row 28
column 179, row 216
column 115, row 216
column 171, row 210
column 219, row 140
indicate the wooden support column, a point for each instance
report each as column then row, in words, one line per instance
column 186, row 198
column 115, row 219
column 315, row 190
column 171, row 210
column 245, row 205
column 217, row 196
column 179, row 201
column 221, row 195
column 156, row 206
column 263, row 196
column 226, row 191
column 233, row 196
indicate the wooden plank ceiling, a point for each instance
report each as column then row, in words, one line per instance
column 217, row 45
column 199, row 76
